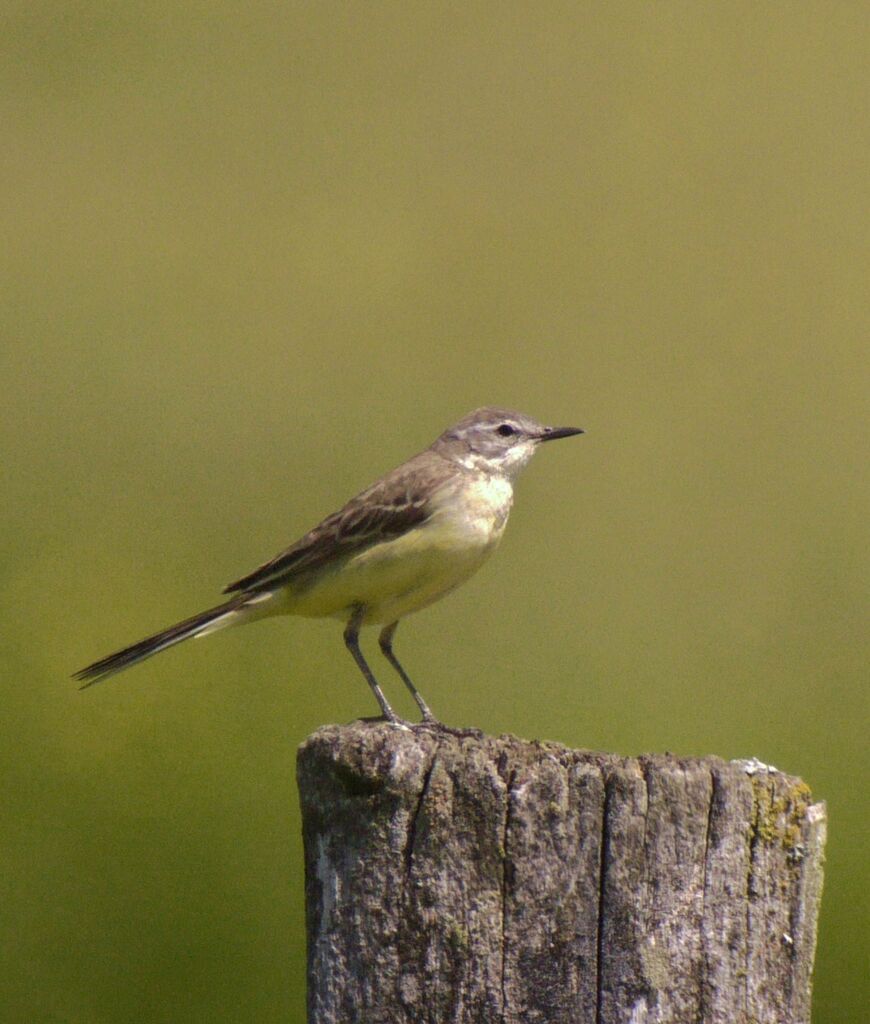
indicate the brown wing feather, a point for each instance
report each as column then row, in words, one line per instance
column 392, row 505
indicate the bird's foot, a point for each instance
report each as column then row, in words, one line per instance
column 433, row 724
column 399, row 723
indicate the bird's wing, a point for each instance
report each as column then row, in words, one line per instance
column 395, row 503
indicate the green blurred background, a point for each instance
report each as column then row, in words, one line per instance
column 255, row 255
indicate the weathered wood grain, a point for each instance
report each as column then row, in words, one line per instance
column 479, row 879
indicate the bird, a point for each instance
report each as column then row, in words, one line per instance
column 406, row 541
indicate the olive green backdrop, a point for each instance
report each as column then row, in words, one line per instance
column 253, row 256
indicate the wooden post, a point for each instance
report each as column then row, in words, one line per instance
column 471, row 879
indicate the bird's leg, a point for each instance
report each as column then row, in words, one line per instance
column 386, row 642
column 351, row 640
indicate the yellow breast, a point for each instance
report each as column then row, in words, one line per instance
column 402, row 575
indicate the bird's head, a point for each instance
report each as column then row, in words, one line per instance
column 497, row 440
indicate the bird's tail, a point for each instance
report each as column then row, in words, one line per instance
column 199, row 625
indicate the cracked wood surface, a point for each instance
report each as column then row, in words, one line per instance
column 481, row 879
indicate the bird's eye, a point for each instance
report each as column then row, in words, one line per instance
column 505, row 430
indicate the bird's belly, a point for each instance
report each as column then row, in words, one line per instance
column 400, row 576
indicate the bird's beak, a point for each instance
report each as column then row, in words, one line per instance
column 554, row 433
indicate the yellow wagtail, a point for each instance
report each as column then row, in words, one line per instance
column 410, row 538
